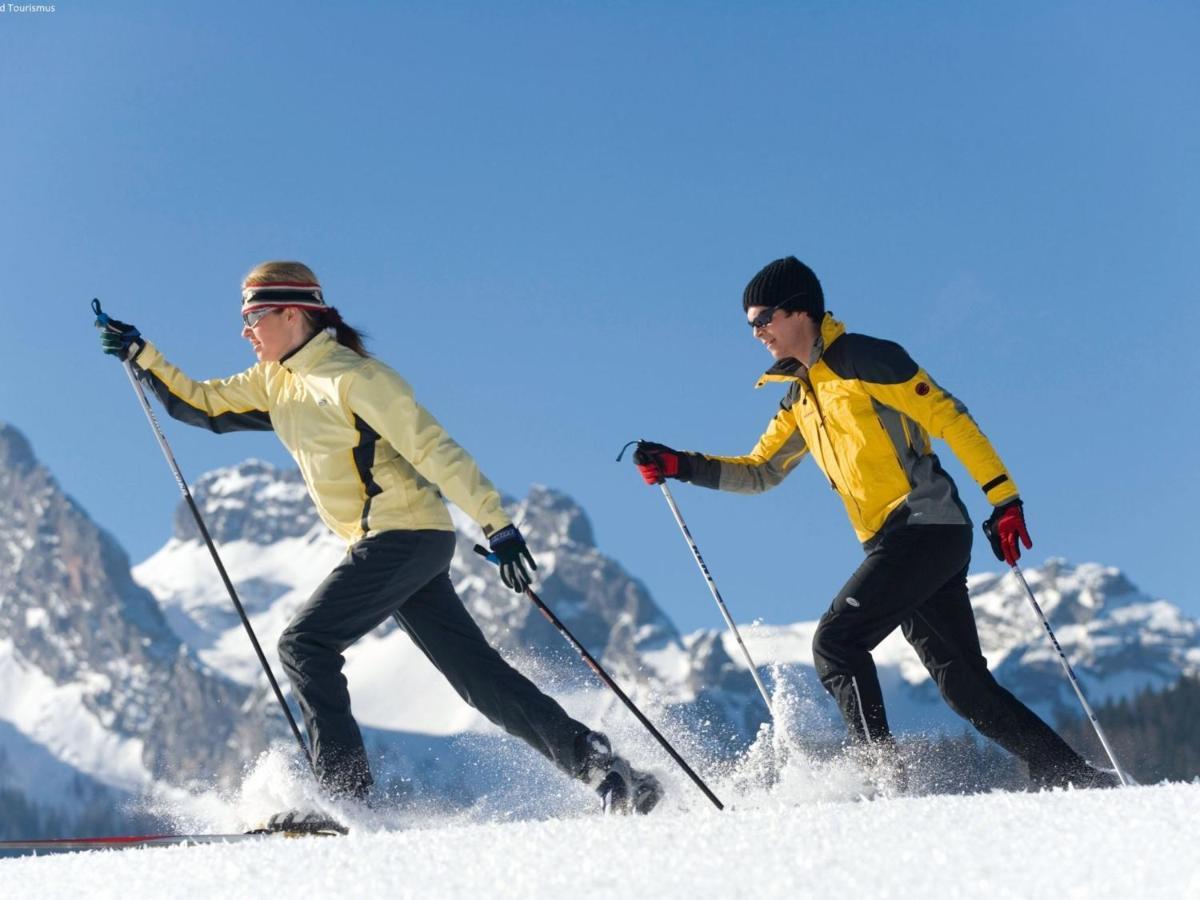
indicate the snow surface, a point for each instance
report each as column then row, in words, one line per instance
column 1136, row 842
column 793, row 827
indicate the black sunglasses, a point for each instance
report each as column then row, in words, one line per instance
column 763, row 319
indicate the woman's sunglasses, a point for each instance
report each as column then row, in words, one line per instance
column 250, row 319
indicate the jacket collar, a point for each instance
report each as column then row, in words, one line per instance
column 302, row 360
column 791, row 369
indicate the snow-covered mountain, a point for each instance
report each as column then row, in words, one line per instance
column 106, row 684
column 99, row 696
column 277, row 551
column 1119, row 639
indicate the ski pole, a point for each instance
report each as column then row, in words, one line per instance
column 609, row 683
column 102, row 321
column 1062, row 657
column 712, row 585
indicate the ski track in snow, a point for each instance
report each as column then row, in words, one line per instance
column 1138, row 842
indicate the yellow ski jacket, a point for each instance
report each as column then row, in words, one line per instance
column 866, row 412
column 372, row 457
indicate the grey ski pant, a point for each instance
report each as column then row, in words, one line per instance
column 406, row 574
column 915, row 577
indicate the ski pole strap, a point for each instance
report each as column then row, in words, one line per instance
column 626, row 447
column 102, row 319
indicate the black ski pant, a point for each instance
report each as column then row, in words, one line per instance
column 915, row 577
column 406, row 574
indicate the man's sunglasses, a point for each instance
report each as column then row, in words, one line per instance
column 763, row 319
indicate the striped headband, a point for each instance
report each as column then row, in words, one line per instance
column 305, row 294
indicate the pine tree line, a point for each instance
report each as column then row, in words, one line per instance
column 86, row 810
column 1155, row 734
column 94, row 816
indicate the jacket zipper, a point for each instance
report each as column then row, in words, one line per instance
column 824, row 433
column 805, row 392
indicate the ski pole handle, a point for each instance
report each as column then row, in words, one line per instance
column 102, row 318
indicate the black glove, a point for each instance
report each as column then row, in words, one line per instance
column 118, row 339
column 657, row 462
column 511, row 554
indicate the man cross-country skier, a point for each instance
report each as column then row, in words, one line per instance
column 866, row 411
column 376, row 465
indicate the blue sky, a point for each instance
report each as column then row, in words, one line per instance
column 544, row 214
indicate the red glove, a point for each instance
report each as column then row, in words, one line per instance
column 1003, row 528
column 658, row 462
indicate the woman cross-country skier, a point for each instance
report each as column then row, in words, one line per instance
column 376, row 465
column 866, row 413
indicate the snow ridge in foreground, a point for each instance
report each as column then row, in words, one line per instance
column 793, row 827
column 1137, row 842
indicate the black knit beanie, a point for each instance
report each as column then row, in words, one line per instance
column 787, row 283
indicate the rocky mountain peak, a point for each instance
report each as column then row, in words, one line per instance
column 1114, row 634
column 16, row 454
column 1067, row 594
column 556, row 516
column 253, row 501
column 607, row 609
column 72, row 612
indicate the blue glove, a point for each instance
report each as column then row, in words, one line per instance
column 511, row 554
column 118, row 339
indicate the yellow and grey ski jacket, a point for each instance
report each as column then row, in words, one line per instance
column 866, row 412
column 372, row 457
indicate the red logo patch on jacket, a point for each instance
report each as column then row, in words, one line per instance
column 922, row 388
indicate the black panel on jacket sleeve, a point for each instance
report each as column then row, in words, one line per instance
column 250, row 420
column 700, row 470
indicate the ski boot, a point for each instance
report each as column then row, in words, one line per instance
column 295, row 822
column 622, row 788
column 883, row 772
column 1083, row 776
